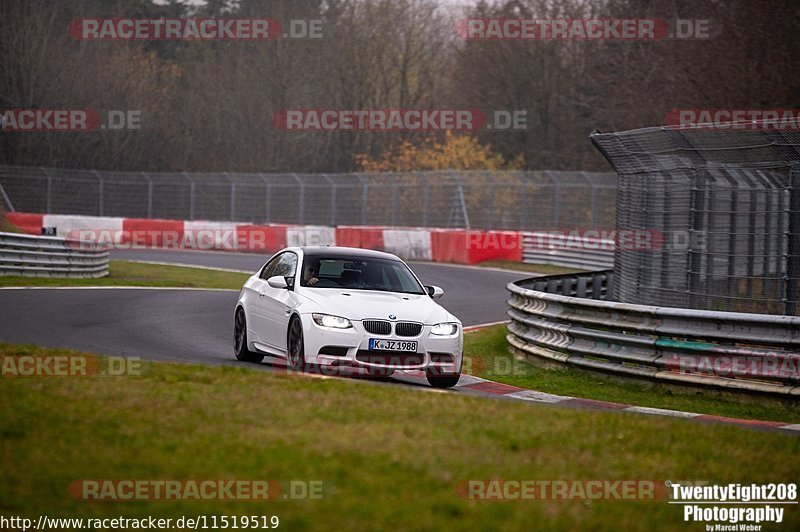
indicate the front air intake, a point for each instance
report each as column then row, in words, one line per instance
column 334, row 350
column 405, row 328
column 378, row 327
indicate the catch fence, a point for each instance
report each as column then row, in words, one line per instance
column 540, row 200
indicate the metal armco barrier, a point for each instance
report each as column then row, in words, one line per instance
column 561, row 250
column 567, row 319
column 35, row 256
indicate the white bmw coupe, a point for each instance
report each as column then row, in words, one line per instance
column 338, row 306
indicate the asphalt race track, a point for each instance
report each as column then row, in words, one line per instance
column 185, row 325
column 195, row 325
column 190, row 325
column 475, row 295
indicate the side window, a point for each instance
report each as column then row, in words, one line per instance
column 266, row 273
column 287, row 264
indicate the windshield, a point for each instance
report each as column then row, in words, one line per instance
column 358, row 273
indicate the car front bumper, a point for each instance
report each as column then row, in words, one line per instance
column 439, row 354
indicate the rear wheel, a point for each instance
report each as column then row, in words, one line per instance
column 240, row 339
column 442, row 380
column 296, row 350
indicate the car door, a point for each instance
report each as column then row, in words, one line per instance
column 277, row 303
column 258, row 322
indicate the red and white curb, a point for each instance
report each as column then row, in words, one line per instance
column 480, row 386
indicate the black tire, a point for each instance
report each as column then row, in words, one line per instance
column 380, row 372
column 295, row 347
column 442, row 380
column 240, row 349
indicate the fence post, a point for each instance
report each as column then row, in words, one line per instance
column 426, row 198
column 233, row 196
column 100, row 191
column 592, row 205
column 267, row 196
column 191, row 195
column 332, row 217
column 695, row 257
column 301, row 200
column 149, row 195
column 458, row 206
column 49, row 199
column 490, row 217
column 522, row 221
column 394, row 201
column 793, row 247
column 556, row 200
column 364, row 199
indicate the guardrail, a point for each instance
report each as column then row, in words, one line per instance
column 42, row 256
column 568, row 320
column 561, row 250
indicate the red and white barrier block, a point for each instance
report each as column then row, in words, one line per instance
column 459, row 246
column 74, row 226
column 412, row 244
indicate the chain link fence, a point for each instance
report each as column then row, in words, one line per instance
column 725, row 203
column 473, row 199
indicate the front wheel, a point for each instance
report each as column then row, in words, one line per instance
column 442, row 380
column 296, row 348
column 240, row 340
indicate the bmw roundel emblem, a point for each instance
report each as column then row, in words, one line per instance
column 392, row 317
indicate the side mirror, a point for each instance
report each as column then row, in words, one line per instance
column 434, row 291
column 278, row 282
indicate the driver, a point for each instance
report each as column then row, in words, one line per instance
column 311, row 276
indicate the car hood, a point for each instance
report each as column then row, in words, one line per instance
column 365, row 304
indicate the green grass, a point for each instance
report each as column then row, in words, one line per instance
column 389, row 457
column 486, row 349
column 543, row 269
column 125, row 273
column 488, row 355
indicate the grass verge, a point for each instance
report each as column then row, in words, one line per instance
column 487, row 350
column 126, row 273
column 389, row 457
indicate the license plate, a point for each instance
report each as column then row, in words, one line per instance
column 376, row 344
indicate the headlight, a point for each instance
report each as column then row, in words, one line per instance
column 334, row 322
column 444, row 329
